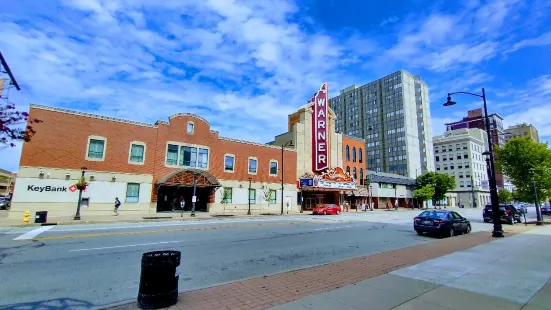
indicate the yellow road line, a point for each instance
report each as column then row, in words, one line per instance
column 144, row 232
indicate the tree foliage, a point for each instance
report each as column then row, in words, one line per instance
column 14, row 125
column 424, row 193
column 517, row 157
column 504, row 196
column 441, row 182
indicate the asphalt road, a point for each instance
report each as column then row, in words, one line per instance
column 90, row 266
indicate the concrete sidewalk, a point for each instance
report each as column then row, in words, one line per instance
column 509, row 273
column 301, row 288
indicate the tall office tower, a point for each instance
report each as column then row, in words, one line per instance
column 392, row 115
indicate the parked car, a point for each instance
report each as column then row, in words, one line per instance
column 327, row 209
column 508, row 214
column 5, row 203
column 546, row 210
column 443, row 222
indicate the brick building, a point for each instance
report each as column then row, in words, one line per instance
column 147, row 166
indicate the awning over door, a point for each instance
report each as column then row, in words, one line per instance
column 186, row 176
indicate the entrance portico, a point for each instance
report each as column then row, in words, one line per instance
column 180, row 184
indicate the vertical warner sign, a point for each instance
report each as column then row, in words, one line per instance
column 320, row 122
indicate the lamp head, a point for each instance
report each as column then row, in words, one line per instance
column 449, row 102
column 486, row 153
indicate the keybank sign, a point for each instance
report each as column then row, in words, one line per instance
column 48, row 188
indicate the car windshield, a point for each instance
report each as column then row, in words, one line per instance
column 433, row 214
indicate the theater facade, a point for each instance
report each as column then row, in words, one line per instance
column 321, row 154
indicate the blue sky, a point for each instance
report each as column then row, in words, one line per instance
column 245, row 65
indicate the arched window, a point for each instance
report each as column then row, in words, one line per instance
column 347, row 154
column 361, row 176
column 355, row 176
column 360, row 155
column 348, row 170
column 354, row 154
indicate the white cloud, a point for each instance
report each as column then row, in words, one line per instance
column 544, row 39
column 389, row 20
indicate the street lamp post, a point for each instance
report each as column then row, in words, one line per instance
column 194, row 198
column 538, row 210
column 77, row 215
column 249, row 212
column 498, row 230
column 288, row 143
column 472, row 192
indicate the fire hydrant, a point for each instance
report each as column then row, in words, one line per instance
column 26, row 216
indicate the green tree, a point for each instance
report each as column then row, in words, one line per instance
column 441, row 182
column 504, row 196
column 226, row 198
column 517, row 157
column 424, row 193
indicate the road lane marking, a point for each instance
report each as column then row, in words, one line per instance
column 129, row 233
column 125, row 246
column 33, row 233
column 172, row 224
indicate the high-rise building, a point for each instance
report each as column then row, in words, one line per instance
column 459, row 154
column 392, row 115
column 522, row 130
column 476, row 119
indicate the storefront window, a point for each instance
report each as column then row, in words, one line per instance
column 252, row 195
column 132, row 192
column 273, row 196
column 227, row 195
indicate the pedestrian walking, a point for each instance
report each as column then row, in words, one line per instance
column 363, row 206
column 346, row 205
column 182, row 203
column 117, row 205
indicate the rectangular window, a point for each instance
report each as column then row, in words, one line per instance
column 227, row 195
column 96, row 148
column 203, row 160
column 132, row 192
column 172, row 155
column 252, row 195
column 273, row 168
column 273, row 194
column 252, row 165
column 229, row 162
column 190, row 127
column 136, row 153
column 187, row 156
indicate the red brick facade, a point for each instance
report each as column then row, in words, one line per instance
column 62, row 138
column 358, row 161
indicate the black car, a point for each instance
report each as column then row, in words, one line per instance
column 508, row 214
column 546, row 210
column 447, row 223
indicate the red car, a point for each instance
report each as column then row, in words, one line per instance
column 327, row 209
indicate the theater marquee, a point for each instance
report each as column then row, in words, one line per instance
column 319, row 130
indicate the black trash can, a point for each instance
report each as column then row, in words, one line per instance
column 159, row 279
column 41, row 217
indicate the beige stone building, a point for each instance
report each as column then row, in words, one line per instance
column 522, row 130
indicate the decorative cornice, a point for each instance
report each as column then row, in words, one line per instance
column 190, row 115
column 106, row 118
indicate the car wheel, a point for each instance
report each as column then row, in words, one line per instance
column 486, row 221
column 338, row 212
column 451, row 233
column 420, row 233
column 324, row 212
column 519, row 220
column 468, row 229
column 511, row 221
